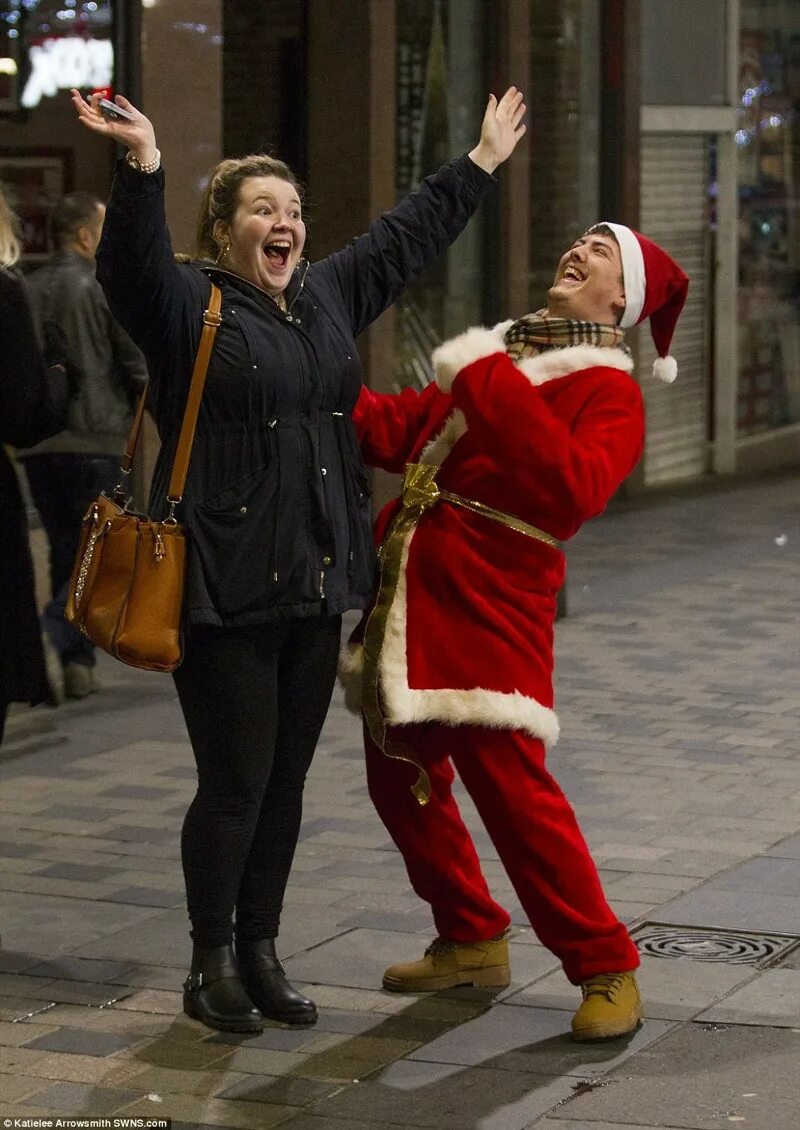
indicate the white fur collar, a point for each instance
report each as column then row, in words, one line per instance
column 454, row 355
column 554, row 363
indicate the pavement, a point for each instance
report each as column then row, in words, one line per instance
column 677, row 689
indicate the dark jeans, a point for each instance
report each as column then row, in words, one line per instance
column 254, row 700
column 62, row 486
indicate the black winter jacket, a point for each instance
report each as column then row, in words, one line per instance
column 277, row 501
column 33, row 405
column 110, row 371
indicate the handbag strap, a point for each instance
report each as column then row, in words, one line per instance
column 180, row 467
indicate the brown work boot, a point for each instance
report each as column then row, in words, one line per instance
column 612, row 1007
column 446, row 964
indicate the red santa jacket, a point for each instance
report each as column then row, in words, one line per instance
column 469, row 639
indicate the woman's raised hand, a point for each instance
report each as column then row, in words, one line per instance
column 137, row 135
column 501, row 130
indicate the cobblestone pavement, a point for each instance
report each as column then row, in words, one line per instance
column 679, row 702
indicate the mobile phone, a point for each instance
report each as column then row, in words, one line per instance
column 113, row 111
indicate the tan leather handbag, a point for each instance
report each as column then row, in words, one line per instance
column 126, row 588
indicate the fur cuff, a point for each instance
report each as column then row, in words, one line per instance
column 351, row 672
column 454, row 355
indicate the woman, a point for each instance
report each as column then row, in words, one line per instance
column 277, row 503
column 32, row 407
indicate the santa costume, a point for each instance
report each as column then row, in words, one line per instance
column 527, row 432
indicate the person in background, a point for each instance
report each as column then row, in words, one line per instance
column 276, row 502
column 526, row 433
column 33, row 401
column 106, row 372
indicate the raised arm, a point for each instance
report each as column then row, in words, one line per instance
column 148, row 293
column 388, row 424
column 372, row 272
column 572, row 469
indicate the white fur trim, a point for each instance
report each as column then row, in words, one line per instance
column 556, row 363
column 437, row 449
column 666, row 369
column 454, row 355
column 502, row 327
column 351, row 674
column 473, row 707
column 633, row 273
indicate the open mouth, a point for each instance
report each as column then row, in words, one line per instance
column 572, row 274
column 278, row 252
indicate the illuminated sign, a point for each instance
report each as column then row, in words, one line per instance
column 67, row 61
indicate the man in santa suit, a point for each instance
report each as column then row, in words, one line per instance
column 528, row 430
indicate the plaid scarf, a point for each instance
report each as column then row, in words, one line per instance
column 536, row 333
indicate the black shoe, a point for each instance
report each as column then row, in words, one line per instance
column 213, row 993
column 265, row 980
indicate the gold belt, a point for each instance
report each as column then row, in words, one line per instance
column 420, row 493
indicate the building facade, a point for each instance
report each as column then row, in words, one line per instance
column 682, row 119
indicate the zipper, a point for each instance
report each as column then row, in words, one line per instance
column 322, row 584
column 288, row 315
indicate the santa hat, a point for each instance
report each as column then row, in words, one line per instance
column 655, row 288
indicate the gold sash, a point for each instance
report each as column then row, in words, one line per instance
column 420, row 493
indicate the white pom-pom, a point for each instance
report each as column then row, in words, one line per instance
column 666, row 369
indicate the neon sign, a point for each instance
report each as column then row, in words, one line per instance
column 62, row 62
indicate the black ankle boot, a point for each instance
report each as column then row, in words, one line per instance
column 213, row 993
column 265, row 980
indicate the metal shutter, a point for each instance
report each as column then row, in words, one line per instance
column 674, row 212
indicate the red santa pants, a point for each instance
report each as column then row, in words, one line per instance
column 533, row 827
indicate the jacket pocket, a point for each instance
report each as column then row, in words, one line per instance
column 361, row 553
column 246, row 331
column 234, row 536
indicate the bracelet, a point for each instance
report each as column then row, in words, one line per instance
column 143, row 166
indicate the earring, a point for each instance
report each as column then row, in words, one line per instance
column 223, row 251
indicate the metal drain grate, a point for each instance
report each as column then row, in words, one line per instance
column 700, row 944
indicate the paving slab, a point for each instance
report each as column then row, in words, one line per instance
column 76, row 1098
column 531, row 1039
column 755, row 911
column 441, row 1095
column 775, row 875
column 700, row 1078
column 786, row 849
column 771, row 998
column 569, row 1124
column 49, row 926
column 196, row 1111
column 82, row 1043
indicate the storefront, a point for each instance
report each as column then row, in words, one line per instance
column 449, row 54
column 768, row 170
column 45, row 48
column 717, row 156
column 689, row 130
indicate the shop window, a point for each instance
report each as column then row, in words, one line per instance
column 563, row 130
column 683, row 53
column 49, row 47
column 45, row 49
column 441, row 97
column 768, row 145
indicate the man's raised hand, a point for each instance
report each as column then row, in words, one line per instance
column 501, row 130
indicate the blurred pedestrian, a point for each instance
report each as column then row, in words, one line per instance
column 32, row 406
column 277, row 502
column 106, row 371
column 527, row 433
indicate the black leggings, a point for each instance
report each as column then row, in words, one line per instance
column 254, row 700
